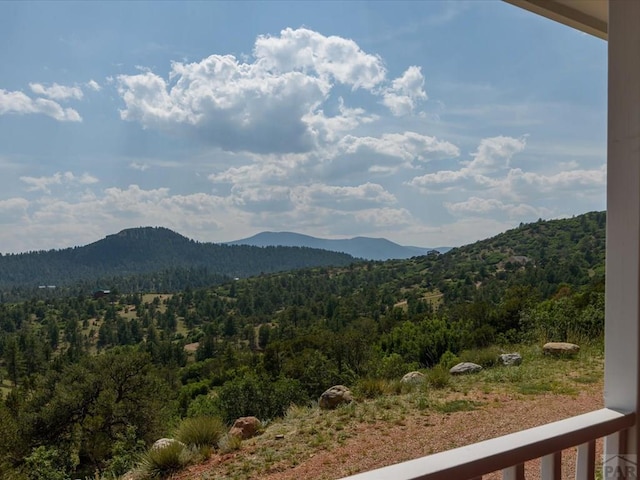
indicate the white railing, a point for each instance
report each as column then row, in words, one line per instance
column 510, row 452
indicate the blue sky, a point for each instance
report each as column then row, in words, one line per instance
column 428, row 123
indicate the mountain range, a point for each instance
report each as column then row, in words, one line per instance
column 156, row 259
column 154, row 256
column 358, row 247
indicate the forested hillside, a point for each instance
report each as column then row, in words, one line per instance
column 86, row 382
column 148, row 259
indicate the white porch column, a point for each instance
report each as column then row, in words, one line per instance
column 622, row 359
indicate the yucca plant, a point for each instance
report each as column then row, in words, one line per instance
column 229, row 443
column 201, row 431
column 160, row 462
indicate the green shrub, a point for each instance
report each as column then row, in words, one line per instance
column 125, row 452
column 189, row 392
column 203, row 406
column 370, row 387
column 161, row 462
column 485, row 357
column 423, row 402
column 396, row 387
column 200, row 431
column 393, row 366
column 229, row 443
column 48, row 463
column 259, row 396
column 315, row 372
column 438, row 377
column 572, row 318
column 448, row 360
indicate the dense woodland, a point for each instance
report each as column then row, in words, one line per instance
column 89, row 382
column 146, row 259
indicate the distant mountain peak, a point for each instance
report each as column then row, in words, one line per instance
column 153, row 252
column 145, row 232
column 360, row 247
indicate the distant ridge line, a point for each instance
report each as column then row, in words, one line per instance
column 359, row 247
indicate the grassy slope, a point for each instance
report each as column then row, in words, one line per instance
column 309, row 432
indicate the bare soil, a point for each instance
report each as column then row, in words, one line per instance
column 374, row 444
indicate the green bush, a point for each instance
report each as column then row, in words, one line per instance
column 314, row 371
column 161, row 462
column 203, row 406
column 370, row 387
column 189, row 392
column 448, row 360
column 485, row 357
column 573, row 318
column 229, row 443
column 125, row 452
column 46, row 463
column 393, row 366
column 438, row 377
column 257, row 396
column 201, row 431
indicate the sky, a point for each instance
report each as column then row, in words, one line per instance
column 431, row 123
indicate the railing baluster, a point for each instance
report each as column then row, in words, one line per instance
column 615, row 448
column 551, row 466
column 586, row 461
column 514, row 473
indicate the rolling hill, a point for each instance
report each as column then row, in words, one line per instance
column 150, row 250
column 358, row 247
column 257, row 345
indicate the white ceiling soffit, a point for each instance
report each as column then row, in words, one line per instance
column 589, row 16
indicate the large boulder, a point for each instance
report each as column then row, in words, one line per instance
column 413, row 377
column 511, row 359
column 245, row 427
column 334, row 397
column 560, row 348
column 465, row 367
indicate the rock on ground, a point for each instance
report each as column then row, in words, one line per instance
column 465, row 367
column 413, row 377
column 245, row 427
column 511, row 359
column 335, row 396
column 560, row 348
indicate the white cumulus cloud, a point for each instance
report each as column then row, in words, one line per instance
column 405, row 92
column 280, row 101
column 43, row 183
column 13, row 209
column 488, row 206
column 492, row 154
column 57, row 92
column 18, row 103
column 488, row 185
column 357, row 197
column 139, row 166
column 495, row 152
column 93, row 85
column 331, row 58
column 407, row 146
column 52, row 222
